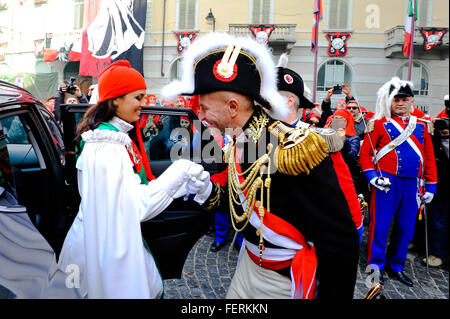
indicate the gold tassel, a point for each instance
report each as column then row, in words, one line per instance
column 299, row 150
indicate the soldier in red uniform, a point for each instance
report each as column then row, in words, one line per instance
column 398, row 160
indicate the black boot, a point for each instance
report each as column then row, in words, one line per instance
column 216, row 246
column 400, row 276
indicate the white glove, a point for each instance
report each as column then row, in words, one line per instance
column 428, row 197
column 198, row 185
column 382, row 183
column 175, row 177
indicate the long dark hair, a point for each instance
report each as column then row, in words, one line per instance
column 95, row 115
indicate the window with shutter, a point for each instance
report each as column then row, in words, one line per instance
column 338, row 14
column 419, row 77
column 78, row 14
column 423, row 13
column 186, row 14
column 261, row 11
column 332, row 73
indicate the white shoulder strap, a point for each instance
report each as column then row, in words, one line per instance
column 404, row 136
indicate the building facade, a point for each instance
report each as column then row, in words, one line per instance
column 373, row 48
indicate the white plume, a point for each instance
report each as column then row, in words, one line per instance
column 283, row 61
column 307, row 92
column 384, row 99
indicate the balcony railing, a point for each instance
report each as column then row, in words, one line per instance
column 281, row 32
column 395, row 37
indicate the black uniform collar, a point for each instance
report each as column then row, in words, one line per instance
column 256, row 124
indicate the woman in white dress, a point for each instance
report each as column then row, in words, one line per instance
column 104, row 244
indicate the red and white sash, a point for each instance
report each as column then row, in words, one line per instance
column 405, row 136
column 295, row 252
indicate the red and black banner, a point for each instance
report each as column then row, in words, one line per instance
column 184, row 40
column 114, row 30
column 337, row 45
column 432, row 37
column 262, row 32
column 62, row 47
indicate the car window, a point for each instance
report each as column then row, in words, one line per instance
column 56, row 135
column 6, row 178
column 18, row 142
column 167, row 137
column 14, row 131
column 174, row 136
column 25, row 163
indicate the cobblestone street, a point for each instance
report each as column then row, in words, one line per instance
column 207, row 275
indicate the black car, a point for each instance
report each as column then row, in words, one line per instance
column 40, row 166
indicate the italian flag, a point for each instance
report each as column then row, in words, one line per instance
column 409, row 27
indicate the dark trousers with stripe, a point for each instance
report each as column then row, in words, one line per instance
column 400, row 205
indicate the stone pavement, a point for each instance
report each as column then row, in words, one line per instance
column 207, row 275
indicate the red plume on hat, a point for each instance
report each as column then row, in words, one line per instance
column 119, row 79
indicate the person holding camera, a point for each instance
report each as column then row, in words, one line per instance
column 341, row 104
column 68, row 93
column 291, row 86
column 439, row 207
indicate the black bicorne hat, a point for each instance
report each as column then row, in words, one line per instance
column 404, row 91
column 211, row 75
column 291, row 81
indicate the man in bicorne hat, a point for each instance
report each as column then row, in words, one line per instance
column 403, row 174
column 290, row 85
column 296, row 244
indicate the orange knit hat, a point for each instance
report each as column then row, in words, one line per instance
column 119, row 79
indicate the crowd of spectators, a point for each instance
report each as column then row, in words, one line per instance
column 348, row 117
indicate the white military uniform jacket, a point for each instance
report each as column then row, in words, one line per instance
column 105, row 240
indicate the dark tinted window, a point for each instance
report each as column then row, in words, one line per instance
column 21, row 159
column 56, row 135
column 167, row 137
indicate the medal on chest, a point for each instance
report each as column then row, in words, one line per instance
column 135, row 156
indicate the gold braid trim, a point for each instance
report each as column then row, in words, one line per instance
column 299, row 150
column 214, row 200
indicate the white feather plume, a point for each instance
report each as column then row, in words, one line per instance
column 212, row 41
column 384, row 99
column 307, row 92
column 283, row 61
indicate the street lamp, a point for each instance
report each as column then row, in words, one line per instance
column 210, row 19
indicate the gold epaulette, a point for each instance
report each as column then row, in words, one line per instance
column 334, row 141
column 299, row 150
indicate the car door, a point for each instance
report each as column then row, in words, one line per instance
column 37, row 180
column 168, row 134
